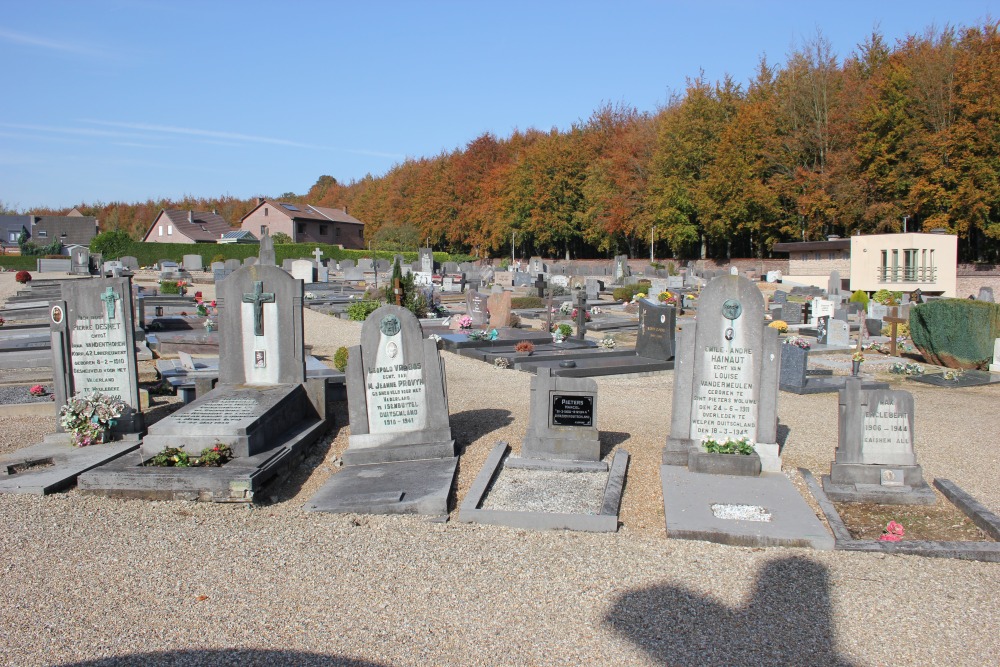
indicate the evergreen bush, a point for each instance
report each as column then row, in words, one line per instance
column 860, row 296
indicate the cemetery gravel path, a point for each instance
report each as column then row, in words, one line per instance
column 90, row 580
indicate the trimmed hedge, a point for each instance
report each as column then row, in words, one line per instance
column 956, row 333
column 527, row 302
column 148, row 254
column 20, row 263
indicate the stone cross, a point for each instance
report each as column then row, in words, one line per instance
column 894, row 320
column 581, row 314
column 318, row 254
column 540, row 285
column 109, row 297
column 258, row 299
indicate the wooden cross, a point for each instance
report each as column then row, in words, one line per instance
column 109, row 297
column 540, row 285
column 581, row 314
column 258, row 299
column 894, row 320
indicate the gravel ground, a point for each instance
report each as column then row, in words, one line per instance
column 136, row 582
column 523, row 490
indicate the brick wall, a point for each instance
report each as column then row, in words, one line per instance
column 970, row 277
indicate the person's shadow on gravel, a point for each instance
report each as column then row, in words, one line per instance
column 234, row 657
column 470, row 425
column 786, row 622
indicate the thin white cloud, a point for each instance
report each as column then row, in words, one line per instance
column 81, row 131
column 42, row 43
column 194, row 132
column 135, row 144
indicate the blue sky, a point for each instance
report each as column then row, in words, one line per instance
column 120, row 100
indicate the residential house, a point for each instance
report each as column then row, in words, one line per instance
column 870, row 262
column 306, row 224
column 177, row 226
column 70, row 230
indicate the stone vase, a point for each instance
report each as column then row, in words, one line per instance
column 855, row 368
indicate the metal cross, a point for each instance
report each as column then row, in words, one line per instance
column 541, row 284
column 258, row 299
column 109, row 297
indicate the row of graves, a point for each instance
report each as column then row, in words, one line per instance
column 402, row 455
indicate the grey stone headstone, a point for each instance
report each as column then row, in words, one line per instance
column 780, row 296
column 536, row 266
column 503, row 278
column 873, row 326
column 559, row 281
column 657, row 329
column 426, row 260
column 838, row 333
column 562, row 422
column 193, row 263
column 383, row 265
column 675, row 282
column 726, row 375
column 130, row 262
column 397, row 401
column 476, row 307
column 594, row 287
column 985, row 294
column 621, row 268
column 303, row 269
column 833, row 284
column 791, row 313
column 218, row 266
column 876, row 427
column 260, row 310
column 366, row 265
column 93, row 345
column 287, row 264
column 233, row 265
column 794, row 363
column 841, row 314
column 354, row 273
column 878, row 311
column 322, row 274
column 450, row 267
column 347, row 264
column 266, row 255
column 820, row 308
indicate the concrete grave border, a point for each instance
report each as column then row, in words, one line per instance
column 984, row 519
column 605, row 522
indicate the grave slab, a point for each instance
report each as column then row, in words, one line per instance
column 61, row 465
column 688, row 500
column 410, row 487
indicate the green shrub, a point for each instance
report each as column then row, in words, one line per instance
column 957, row 333
column 218, row 258
column 169, row 287
column 281, row 237
column 527, row 302
column 887, row 298
column 860, row 296
column 340, row 359
column 360, row 310
column 18, row 263
column 628, row 292
column 114, row 244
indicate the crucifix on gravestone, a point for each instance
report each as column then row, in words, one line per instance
column 894, row 320
column 581, row 314
column 318, row 254
column 109, row 297
column 258, row 299
column 540, row 285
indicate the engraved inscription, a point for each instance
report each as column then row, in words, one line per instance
column 100, row 354
column 725, row 404
column 220, row 411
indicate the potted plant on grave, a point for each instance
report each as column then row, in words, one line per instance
column 23, row 277
column 89, row 417
column 210, row 325
column 856, row 360
column 732, row 457
column 525, row 347
column 465, row 322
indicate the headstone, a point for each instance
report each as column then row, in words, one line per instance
column 80, row 264
column 192, row 263
column 773, row 276
column 426, row 259
column 657, row 327
column 675, row 282
column 878, row 311
column 559, row 281
column 233, row 265
column 838, row 333
column 499, row 307
column 726, row 375
column 503, row 278
column 536, row 266
column 322, row 274
column 302, row 269
column 995, row 366
column 475, row 307
column 562, row 419
column 841, row 314
column 733, row 271
column 346, row 264
column 450, row 267
column 287, row 264
column 833, row 285
column 266, row 255
column 621, row 269
column 366, row 265
column 423, row 278
column 593, row 287
column 93, row 346
column 780, row 296
column 985, row 294
column 447, row 284
column 791, row 313
column 822, row 327
column 130, row 262
column 383, row 265
column 541, row 285
column 354, row 273
column 820, row 308
column 794, row 363
column 318, row 257
column 875, row 461
column 218, row 266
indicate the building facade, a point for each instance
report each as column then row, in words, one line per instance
column 305, row 224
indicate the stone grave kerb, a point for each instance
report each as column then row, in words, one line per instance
column 93, row 345
column 260, row 310
column 394, row 352
column 744, row 350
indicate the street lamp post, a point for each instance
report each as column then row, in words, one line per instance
column 652, row 242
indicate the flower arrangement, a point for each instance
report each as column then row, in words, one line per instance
column 780, row 325
column 586, row 315
column 2, row 321
column 501, row 362
column 667, row 297
column 198, row 297
column 893, row 532
column 176, row 457
column 89, row 416
column 210, row 324
column 596, row 310
column 565, row 308
column 465, row 322
column 309, row 296
column 741, row 446
column 202, row 309
column 858, row 356
column 798, row 341
column 638, row 295
column 906, row 369
column 608, row 343
column 524, row 347
column 38, row 390
column 436, row 339
column 23, row 277
column 953, row 374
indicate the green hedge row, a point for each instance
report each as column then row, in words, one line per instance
column 18, row 263
column 957, row 333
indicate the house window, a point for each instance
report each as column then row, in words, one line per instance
column 170, row 230
column 300, row 228
column 42, row 233
column 323, row 230
column 160, row 230
column 265, row 211
column 360, row 235
column 336, row 232
column 263, row 230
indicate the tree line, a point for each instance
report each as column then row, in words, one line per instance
column 890, row 136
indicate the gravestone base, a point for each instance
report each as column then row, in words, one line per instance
column 862, row 483
column 405, row 487
column 688, row 500
column 54, row 464
column 239, row 480
column 678, row 452
column 723, row 464
column 571, row 448
column 395, row 447
column 247, row 418
column 561, row 466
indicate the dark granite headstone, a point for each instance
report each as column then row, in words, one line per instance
column 657, row 327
